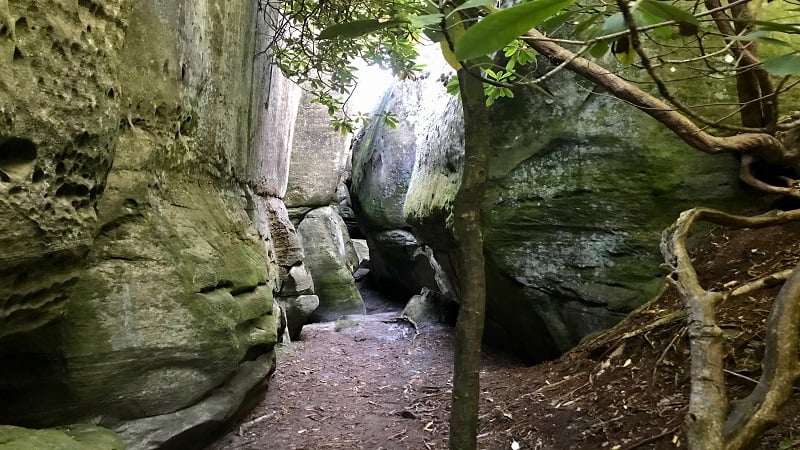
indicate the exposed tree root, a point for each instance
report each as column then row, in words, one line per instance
column 709, row 426
column 747, row 176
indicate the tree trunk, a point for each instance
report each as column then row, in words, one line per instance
column 471, row 272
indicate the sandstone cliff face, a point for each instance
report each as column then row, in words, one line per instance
column 580, row 189
column 144, row 156
column 59, row 80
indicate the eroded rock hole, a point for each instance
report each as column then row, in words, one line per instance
column 21, row 26
column 253, row 353
column 58, row 48
column 17, row 54
column 38, row 175
column 91, row 6
column 17, row 156
column 72, row 190
column 83, row 139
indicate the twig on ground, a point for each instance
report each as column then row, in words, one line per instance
column 650, row 439
column 666, row 349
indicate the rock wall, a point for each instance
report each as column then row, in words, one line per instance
column 144, row 158
column 580, row 188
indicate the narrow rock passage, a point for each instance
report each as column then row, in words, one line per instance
column 366, row 382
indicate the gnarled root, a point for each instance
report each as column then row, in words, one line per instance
column 708, row 424
column 747, row 176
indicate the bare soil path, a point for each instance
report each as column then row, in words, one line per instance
column 367, row 382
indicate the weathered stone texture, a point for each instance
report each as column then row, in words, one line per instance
column 142, row 291
column 384, row 198
column 59, row 111
column 74, row 437
column 320, row 157
column 298, row 311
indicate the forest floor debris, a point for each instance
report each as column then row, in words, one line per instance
column 383, row 385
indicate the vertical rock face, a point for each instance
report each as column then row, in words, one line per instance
column 140, row 297
column 59, row 112
column 320, row 157
column 580, row 189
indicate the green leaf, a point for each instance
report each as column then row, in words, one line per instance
column 498, row 29
column 434, row 35
column 782, row 65
column 557, row 20
column 452, row 86
column 771, row 26
column 599, row 50
column 587, row 24
column 428, row 19
column 472, row 4
column 667, row 11
column 356, row 28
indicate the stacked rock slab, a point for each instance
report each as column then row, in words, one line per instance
column 580, row 188
column 317, row 172
column 138, row 297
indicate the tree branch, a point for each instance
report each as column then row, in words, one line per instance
column 746, row 175
column 754, row 414
column 676, row 122
column 636, row 44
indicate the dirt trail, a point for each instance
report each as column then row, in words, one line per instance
column 373, row 384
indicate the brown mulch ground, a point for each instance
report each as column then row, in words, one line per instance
column 380, row 385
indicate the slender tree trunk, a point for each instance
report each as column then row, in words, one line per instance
column 471, row 271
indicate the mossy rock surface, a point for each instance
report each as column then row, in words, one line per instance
column 326, row 242
column 73, row 437
column 580, row 188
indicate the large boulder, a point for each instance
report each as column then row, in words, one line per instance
column 384, row 164
column 319, row 165
column 580, row 188
column 577, row 202
column 298, row 311
column 328, row 250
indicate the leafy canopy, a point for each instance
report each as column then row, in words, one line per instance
column 315, row 41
